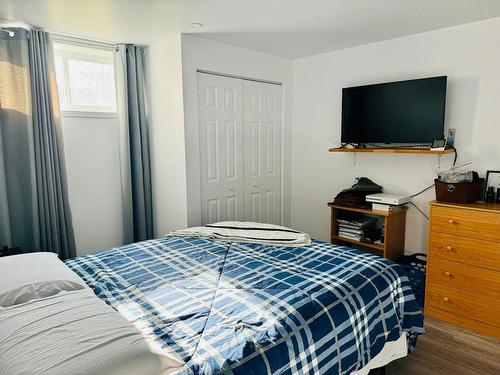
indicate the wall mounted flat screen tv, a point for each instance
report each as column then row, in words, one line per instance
column 408, row 112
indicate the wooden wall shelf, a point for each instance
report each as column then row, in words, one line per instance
column 393, row 150
column 394, row 231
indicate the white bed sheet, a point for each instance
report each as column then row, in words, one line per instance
column 74, row 333
column 392, row 350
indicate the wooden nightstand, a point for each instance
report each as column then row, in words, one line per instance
column 394, row 231
column 463, row 269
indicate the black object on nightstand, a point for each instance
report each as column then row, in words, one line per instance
column 6, row 251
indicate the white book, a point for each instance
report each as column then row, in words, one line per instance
column 385, row 207
column 349, row 230
column 349, row 235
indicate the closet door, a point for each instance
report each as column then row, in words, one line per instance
column 220, row 101
column 262, row 153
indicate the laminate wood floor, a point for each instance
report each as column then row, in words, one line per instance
column 448, row 350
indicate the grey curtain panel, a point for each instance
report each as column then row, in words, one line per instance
column 33, row 190
column 54, row 214
column 18, row 199
column 136, row 122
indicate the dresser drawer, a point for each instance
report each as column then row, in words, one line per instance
column 465, row 304
column 465, row 250
column 469, row 223
column 479, row 281
column 461, row 321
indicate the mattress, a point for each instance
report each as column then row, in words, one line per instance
column 226, row 308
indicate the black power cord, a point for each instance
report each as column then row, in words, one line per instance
column 416, row 194
column 431, row 186
column 422, row 191
column 456, row 155
column 422, row 212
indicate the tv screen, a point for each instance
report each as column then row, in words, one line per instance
column 397, row 112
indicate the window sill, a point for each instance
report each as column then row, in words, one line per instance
column 86, row 114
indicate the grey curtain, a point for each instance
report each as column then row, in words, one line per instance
column 132, row 58
column 18, row 200
column 54, row 214
column 33, row 188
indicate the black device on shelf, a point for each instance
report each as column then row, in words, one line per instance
column 407, row 112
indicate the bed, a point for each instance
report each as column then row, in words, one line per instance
column 208, row 307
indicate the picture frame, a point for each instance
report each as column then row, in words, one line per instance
column 492, row 179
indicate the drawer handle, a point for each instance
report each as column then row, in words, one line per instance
column 445, row 299
column 447, row 274
column 449, row 248
column 451, row 221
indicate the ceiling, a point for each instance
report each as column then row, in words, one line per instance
column 288, row 28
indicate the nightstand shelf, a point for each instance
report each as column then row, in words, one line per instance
column 394, row 231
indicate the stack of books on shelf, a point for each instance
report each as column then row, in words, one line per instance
column 363, row 229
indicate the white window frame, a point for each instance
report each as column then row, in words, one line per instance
column 92, row 54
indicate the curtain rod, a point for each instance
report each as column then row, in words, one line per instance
column 59, row 37
column 62, row 37
column 6, row 30
column 7, row 23
column 89, row 42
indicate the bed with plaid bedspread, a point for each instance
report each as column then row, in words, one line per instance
column 238, row 308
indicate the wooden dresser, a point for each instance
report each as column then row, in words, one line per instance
column 463, row 271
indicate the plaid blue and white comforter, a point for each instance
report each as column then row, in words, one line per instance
column 224, row 308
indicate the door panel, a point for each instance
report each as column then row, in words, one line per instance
column 254, row 146
column 262, row 152
column 254, row 206
column 221, row 147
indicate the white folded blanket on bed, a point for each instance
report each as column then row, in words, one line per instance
column 240, row 231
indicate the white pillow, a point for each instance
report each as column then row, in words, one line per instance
column 34, row 275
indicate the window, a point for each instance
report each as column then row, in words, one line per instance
column 85, row 79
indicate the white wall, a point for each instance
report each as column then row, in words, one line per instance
column 468, row 54
column 94, row 182
column 168, row 160
column 217, row 57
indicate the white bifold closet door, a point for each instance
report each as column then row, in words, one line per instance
column 262, row 151
column 240, row 149
column 220, row 102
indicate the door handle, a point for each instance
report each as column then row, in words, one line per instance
column 231, row 188
column 255, row 184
